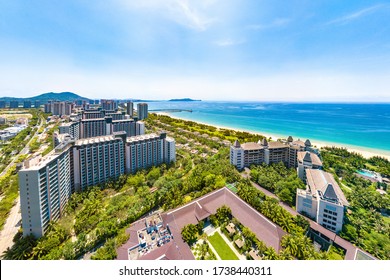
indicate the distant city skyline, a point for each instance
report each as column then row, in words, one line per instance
column 315, row 51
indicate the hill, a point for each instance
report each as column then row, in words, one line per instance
column 60, row 96
column 184, row 100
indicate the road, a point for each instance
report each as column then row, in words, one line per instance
column 14, row 219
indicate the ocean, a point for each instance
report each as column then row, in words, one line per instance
column 352, row 125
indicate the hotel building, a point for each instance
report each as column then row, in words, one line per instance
column 307, row 160
column 322, row 200
column 244, row 155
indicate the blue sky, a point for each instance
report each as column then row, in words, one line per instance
column 212, row 49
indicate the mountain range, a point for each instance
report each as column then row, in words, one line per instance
column 45, row 97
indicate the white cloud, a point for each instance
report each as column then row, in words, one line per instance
column 356, row 15
column 193, row 14
column 278, row 22
column 228, row 42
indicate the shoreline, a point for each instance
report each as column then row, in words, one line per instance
column 365, row 152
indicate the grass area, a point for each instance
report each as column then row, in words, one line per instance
column 223, row 250
column 232, row 188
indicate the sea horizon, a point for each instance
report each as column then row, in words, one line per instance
column 350, row 125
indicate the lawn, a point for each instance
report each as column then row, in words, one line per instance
column 223, row 250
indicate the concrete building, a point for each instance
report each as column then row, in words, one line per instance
column 37, row 104
column 95, row 127
column 322, row 200
column 244, row 155
column 307, row 160
column 142, row 111
column 98, row 159
column 27, row 104
column 71, row 128
column 96, row 114
column 109, row 104
column 45, row 187
column 2, row 104
column 14, row 104
column 140, row 128
column 148, row 150
column 59, row 108
column 130, row 109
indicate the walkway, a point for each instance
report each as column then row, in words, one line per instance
column 11, row 227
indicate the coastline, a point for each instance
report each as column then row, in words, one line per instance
column 365, row 152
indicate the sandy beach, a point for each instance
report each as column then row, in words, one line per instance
column 365, row 152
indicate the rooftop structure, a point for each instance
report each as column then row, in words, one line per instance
column 196, row 211
column 322, row 200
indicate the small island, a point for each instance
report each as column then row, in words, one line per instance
column 184, row 100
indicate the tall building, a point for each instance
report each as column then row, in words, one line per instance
column 59, row 108
column 140, row 128
column 95, row 127
column 130, row 109
column 86, row 115
column 2, row 104
column 14, row 104
column 27, row 104
column 142, row 111
column 109, row 104
column 128, row 126
column 47, row 183
column 71, row 128
column 45, row 186
column 148, row 150
column 98, row 159
column 323, row 200
column 37, row 104
column 116, row 116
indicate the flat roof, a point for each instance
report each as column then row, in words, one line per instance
column 251, row 146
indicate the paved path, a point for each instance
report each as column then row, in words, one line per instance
column 14, row 219
column 11, row 227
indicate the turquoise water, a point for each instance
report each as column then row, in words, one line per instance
column 365, row 173
column 359, row 125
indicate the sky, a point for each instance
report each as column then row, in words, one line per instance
column 249, row 50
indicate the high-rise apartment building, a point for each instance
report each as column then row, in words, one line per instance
column 47, row 183
column 71, row 128
column 109, row 104
column 148, row 150
column 14, row 104
column 27, row 104
column 2, row 104
column 37, row 104
column 59, row 108
column 142, row 111
column 130, row 108
column 98, row 159
column 45, row 186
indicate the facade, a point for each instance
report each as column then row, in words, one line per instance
column 2, row 104
column 96, row 160
column 26, row 104
column 14, row 104
column 148, row 150
column 244, row 155
column 116, row 116
column 59, row 108
column 72, row 128
column 45, row 187
column 37, row 104
column 95, row 127
column 47, row 183
column 109, row 104
column 92, row 115
column 307, row 160
column 142, row 111
column 130, row 109
column 322, row 200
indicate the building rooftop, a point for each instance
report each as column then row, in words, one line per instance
column 142, row 137
column 276, row 145
column 318, row 180
column 251, row 146
column 200, row 209
column 307, row 155
column 94, row 140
